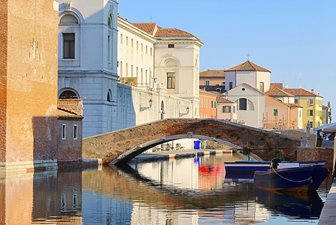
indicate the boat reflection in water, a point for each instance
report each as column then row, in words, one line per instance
column 293, row 205
column 184, row 191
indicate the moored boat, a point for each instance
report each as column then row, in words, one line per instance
column 299, row 179
column 246, row 169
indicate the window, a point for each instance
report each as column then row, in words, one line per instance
column 213, row 104
column 207, row 83
column 68, row 45
column 137, row 71
column 170, row 80
column 311, row 101
column 126, row 40
column 126, row 69
column 75, row 132
column 242, row 104
column 151, row 51
column 121, row 69
column 132, row 42
column 137, row 45
column 109, row 21
column 142, row 76
column 68, row 94
column 68, row 20
column 109, row 96
column 226, row 109
column 311, row 112
column 141, row 47
column 131, row 70
column 296, row 101
column 275, row 112
column 109, row 48
column 234, row 109
column 146, row 76
column 171, row 46
column 121, row 38
column 63, row 131
column 262, row 86
column 230, row 85
column 146, row 50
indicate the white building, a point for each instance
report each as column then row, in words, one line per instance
column 250, row 104
column 88, row 60
column 249, row 73
column 160, row 59
column 246, row 85
column 89, row 67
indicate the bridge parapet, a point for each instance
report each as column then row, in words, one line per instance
column 123, row 145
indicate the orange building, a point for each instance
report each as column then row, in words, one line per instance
column 29, row 126
column 280, row 115
column 208, row 104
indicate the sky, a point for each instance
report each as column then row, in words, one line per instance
column 295, row 39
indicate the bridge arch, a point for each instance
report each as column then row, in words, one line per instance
column 130, row 154
column 121, row 146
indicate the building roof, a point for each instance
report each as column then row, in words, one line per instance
column 147, row 27
column 301, row 92
column 65, row 114
column 223, row 100
column 248, row 66
column 161, row 32
column 213, row 73
column 275, row 91
column 209, row 93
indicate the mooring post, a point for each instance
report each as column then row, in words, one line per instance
column 334, row 158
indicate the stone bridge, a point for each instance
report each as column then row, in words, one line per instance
column 118, row 147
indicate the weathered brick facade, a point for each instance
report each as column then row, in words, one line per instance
column 3, row 77
column 29, row 129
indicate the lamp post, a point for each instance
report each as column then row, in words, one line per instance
column 184, row 113
column 143, row 108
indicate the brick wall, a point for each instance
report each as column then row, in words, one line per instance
column 313, row 154
column 71, row 105
column 3, row 78
column 69, row 149
column 31, row 77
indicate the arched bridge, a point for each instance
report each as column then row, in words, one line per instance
column 121, row 146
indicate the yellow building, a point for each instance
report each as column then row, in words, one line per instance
column 311, row 104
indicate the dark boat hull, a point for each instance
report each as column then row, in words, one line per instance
column 302, row 179
column 246, row 169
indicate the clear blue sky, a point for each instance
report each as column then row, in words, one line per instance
column 295, row 39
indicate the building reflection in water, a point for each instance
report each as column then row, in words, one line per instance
column 40, row 198
column 188, row 191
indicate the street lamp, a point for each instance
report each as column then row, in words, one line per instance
column 143, row 108
column 184, row 113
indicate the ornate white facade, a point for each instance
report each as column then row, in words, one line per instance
column 87, row 60
column 124, row 89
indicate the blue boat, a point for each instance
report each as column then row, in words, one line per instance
column 300, row 179
column 246, row 169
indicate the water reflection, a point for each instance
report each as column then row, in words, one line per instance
column 186, row 191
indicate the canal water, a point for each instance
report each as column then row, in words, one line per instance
column 184, row 191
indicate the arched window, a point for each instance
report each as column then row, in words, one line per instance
column 109, row 96
column 68, row 20
column 110, row 21
column 242, row 104
column 68, row 94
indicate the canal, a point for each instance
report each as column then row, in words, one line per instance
column 183, row 191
